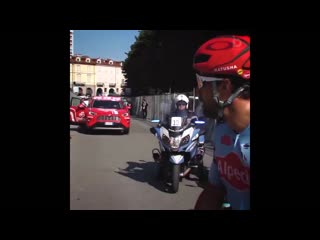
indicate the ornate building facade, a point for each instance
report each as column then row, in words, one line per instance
column 96, row 76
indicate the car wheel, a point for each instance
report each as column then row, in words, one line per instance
column 126, row 131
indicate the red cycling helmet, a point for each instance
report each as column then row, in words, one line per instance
column 224, row 55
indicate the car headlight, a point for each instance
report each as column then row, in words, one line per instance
column 92, row 113
column 125, row 114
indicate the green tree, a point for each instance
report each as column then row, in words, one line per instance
column 162, row 59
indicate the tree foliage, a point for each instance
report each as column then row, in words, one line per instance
column 162, row 59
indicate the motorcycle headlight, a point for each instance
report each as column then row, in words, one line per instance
column 175, row 142
column 185, row 140
column 165, row 139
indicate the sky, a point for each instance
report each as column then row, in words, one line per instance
column 110, row 44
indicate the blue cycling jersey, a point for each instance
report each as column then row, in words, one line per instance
column 231, row 165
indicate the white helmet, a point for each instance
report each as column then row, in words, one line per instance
column 182, row 97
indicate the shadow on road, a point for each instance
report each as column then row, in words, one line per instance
column 195, row 179
column 103, row 132
column 96, row 131
column 143, row 171
column 74, row 128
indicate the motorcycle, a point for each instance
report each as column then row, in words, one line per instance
column 181, row 150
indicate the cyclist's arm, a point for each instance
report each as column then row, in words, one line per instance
column 212, row 196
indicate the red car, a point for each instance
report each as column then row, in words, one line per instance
column 107, row 113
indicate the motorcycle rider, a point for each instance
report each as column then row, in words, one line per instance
column 181, row 110
column 181, row 103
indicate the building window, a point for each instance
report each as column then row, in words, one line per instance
column 87, row 60
column 98, row 61
column 89, row 77
column 111, row 62
column 105, row 89
column 88, row 69
column 89, row 91
column 78, row 68
column 79, row 77
column 78, row 59
column 117, row 89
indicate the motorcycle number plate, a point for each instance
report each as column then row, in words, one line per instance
column 176, row 121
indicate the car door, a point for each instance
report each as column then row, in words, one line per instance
column 74, row 110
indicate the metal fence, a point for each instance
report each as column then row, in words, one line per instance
column 158, row 106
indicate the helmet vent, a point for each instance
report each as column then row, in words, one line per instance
column 201, row 58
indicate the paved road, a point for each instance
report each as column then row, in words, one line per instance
column 110, row 171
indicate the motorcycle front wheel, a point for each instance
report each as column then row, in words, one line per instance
column 175, row 177
column 201, row 173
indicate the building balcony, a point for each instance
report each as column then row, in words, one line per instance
column 112, row 84
column 100, row 84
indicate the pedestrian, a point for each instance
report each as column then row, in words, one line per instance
column 144, row 108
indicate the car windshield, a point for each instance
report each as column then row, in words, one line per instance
column 107, row 104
